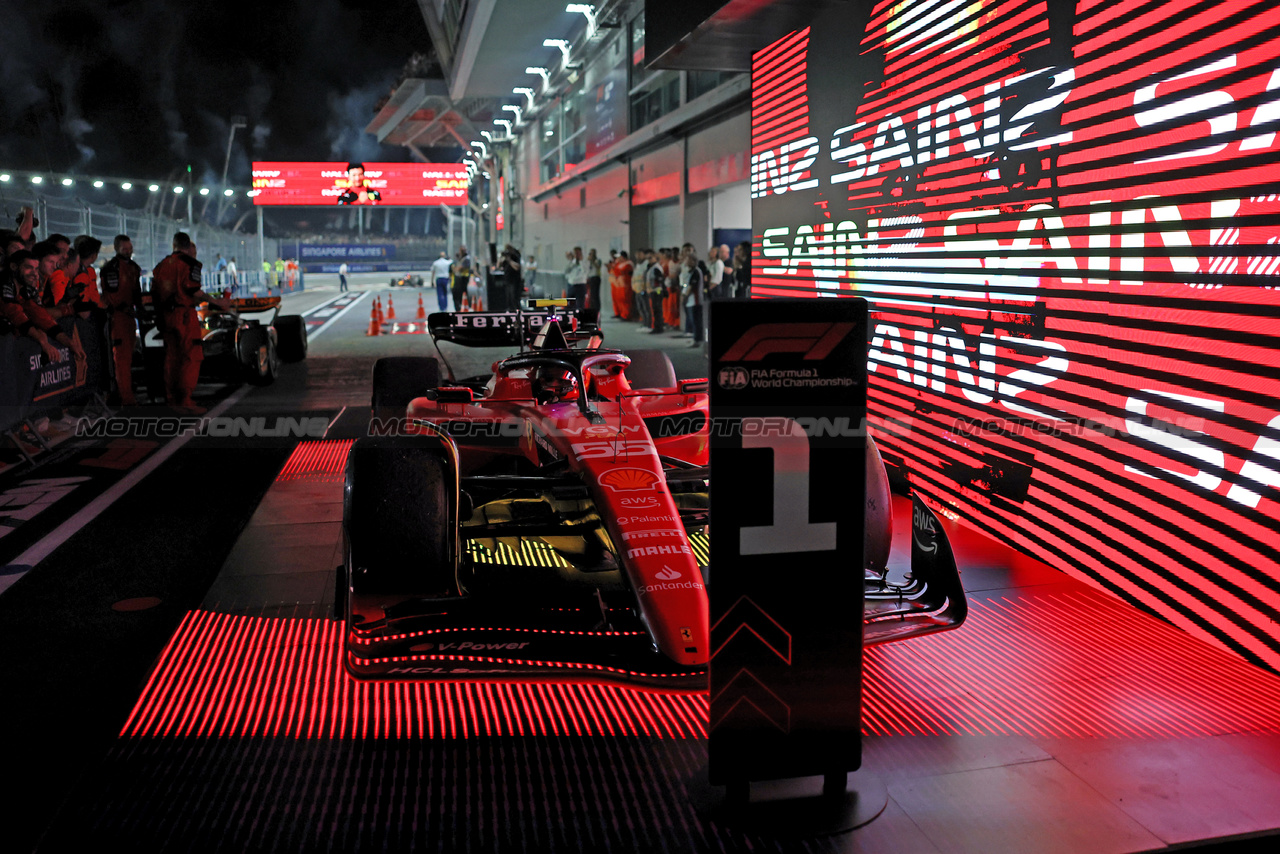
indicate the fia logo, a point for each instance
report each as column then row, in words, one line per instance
column 733, row 379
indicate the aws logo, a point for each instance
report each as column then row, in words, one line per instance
column 924, row 529
column 814, row 340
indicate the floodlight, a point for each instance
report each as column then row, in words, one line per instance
column 563, row 44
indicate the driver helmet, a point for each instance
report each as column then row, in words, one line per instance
column 553, row 384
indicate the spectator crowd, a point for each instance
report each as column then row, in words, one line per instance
column 665, row 290
column 43, row 282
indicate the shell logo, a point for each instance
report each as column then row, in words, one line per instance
column 629, row 480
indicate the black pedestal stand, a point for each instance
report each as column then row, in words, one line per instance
column 792, row 809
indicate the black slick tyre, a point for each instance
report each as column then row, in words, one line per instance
column 650, row 369
column 399, row 379
column 291, row 337
column 399, row 521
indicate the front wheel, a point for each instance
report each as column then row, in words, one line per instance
column 399, row 522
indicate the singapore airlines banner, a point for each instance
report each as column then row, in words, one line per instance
column 1065, row 220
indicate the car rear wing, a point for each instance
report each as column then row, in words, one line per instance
column 494, row 328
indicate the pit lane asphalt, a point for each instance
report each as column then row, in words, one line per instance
column 82, row 629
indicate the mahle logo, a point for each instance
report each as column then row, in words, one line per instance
column 733, row 379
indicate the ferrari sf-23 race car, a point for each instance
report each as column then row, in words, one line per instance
column 247, row 343
column 549, row 520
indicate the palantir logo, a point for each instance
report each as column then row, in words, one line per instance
column 814, row 340
column 733, row 379
column 667, row 574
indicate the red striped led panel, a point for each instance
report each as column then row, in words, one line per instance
column 323, row 461
column 1065, row 219
column 1069, row 664
column 225, row 675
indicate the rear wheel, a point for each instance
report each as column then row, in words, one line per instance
column 291, row 337
column 399, row 521
column 650, row 369
column 257, row 355
column 399, row 379
column 878, row 526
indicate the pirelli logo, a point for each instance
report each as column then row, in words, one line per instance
column 814, row 340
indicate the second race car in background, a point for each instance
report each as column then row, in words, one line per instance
column 245, row 344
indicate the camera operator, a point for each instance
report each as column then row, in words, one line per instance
column 509, row 267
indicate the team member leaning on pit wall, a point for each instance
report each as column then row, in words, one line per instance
column 21, row 309
column 58, row 278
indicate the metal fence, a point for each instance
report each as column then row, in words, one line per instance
column 152, row 236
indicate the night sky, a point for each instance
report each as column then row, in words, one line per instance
column 141, row 89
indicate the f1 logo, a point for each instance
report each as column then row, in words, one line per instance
column 814, row 340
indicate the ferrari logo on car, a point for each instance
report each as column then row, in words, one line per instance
column 686, row 633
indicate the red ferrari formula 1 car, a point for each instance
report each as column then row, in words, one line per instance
column 549, row 520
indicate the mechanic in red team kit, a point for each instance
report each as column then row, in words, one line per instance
column 82, row 293
column 122, row 295
column 58, row 277
column 175, row 290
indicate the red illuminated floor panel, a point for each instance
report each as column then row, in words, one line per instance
column 1055, row 719
column 1052, row 664
column 318, row 461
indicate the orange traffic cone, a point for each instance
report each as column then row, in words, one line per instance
column 479, row 303
column 466, row 306
column 422, row 311
column 391, row 309
column 377, row 307
column 375, row 327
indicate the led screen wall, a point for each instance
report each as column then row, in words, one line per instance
column 1065, row 218
column 359, row 183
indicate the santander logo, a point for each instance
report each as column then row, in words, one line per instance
column 667, row 574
